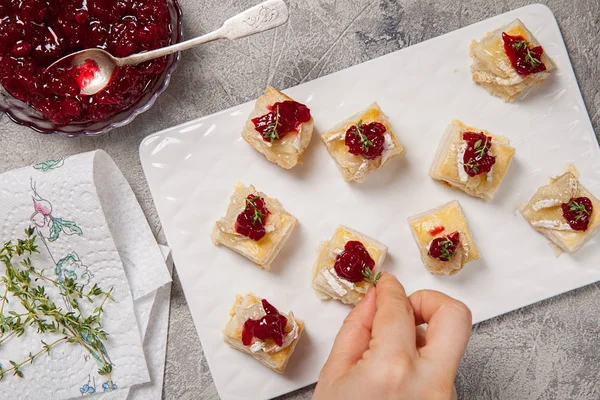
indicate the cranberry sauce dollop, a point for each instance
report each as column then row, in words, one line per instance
column 251, row 222
column 444, row 248
column 366, row 140
column 436, row 230
column 353, row 261
column 477, row 159
column 524, row 58
column 271, row 326
column 35, row 33
column 578, row 212
column 284, row 117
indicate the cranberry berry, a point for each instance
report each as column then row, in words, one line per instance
column 271, row 326
column 366, row 140
column 444, row 248
column 251, row 222
column 578, row 212
column 352, row 263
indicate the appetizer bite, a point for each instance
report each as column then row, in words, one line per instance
column 347, row 265
column 257, row 328
column 444, row 239
column 509, row 60
column 472, row 160
column 279, row 128
column 564, row 212
column 363, row 143
column 255, row 226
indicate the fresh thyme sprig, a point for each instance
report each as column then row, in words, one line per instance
column 258, row 214
column 529, row 56
column 521, row 44
column 271, row 131
column 27, row 286
column 579, row 208
column 365, row 143
column 473, row 165
column 445, row 249
column 480, row 148
column 369, row 277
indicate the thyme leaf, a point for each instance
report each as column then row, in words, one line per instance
column 271, row 131
column 370, row 277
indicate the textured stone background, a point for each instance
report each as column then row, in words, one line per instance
column 550, row 350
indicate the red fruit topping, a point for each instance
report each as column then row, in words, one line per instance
column 477, row 159
column 251, row 222
column 81, row 17
column 35, row 33
column 351, row 264
column 578, row 212
column 86, row 72
column 285, row 117
column 523, row 57
column 271, row 326
column 444, row 248
column 21, row 49
column 437, row 230
column 366, row 140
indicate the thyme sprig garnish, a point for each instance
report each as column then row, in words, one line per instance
column 365, row 143
column 27, row 286
column 258, row 214
column 370, row 277
column 579, row 208
column 529, row 56
column 271, row 131
column 473, row 165
column 445, row 249
column 480, row 148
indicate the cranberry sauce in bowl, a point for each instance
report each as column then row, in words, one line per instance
column 35, row 33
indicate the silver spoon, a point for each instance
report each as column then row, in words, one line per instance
column 262, row 17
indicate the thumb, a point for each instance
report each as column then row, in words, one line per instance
column 353, row 338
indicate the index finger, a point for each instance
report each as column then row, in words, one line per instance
column 394, row 323
column 448, row 328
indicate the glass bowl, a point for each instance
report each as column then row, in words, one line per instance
column 25, row 115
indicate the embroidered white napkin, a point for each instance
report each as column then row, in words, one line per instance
column 90, row 228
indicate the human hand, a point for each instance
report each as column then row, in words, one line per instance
column 382, row 353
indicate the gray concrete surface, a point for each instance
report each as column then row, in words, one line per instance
column 550, row 350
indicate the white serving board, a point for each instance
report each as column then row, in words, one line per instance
column 192, row 169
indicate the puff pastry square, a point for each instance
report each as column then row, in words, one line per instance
column 448, row 166
column 279, row 225
column 439, row 223
column 267, row 352
column 355, row 167
column 493, row 70
column 545, row 214
column 327, row 283
column 286, row 152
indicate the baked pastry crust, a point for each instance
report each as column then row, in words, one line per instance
column 544, row 212
column 286, row 152
column 353, row 167
column 326, row 283
column 449, row 216
column 232, row 334
column 493, row 70
column 447, row 166
column 279, row 226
